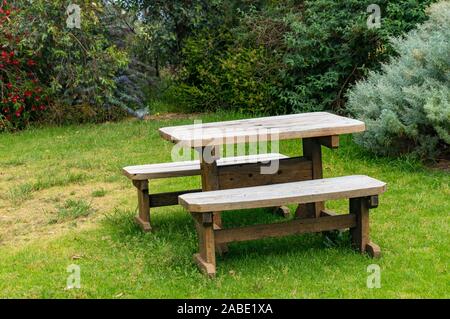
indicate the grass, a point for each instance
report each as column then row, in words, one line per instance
column 71, row 210
column 99, row 193
column 73, row 175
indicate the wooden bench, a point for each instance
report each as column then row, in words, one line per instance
column 362, row 191
column 142, row 174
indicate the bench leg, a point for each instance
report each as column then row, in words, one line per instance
column 206, row 258
column 360, row 234
column 143, row 219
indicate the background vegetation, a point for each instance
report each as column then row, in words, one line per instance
column 253, row 57
column 64, row 201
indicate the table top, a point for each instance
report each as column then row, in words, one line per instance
column 304, row 125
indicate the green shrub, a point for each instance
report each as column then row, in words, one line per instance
column 74, row 66
column 290, row 56
column 329, row 46
column 22, row 98
column 237, row 78
column 406, row 106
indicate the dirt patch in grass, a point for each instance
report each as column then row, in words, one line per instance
column 51, row 212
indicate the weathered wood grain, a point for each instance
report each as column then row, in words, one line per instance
column 190, row 168
column 247, row 175
column 312, row 150
column 168, row 199
column 281, row 194
column 210, row 182
column 282, row 127
column 359, row 207
column 143, row 218
column 297, row 226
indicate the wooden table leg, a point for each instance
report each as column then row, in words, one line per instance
column 210, row 182
column 312, row 150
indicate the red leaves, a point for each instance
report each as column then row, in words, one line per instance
column 20, row 92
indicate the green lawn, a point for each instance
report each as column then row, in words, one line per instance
column 64, row 201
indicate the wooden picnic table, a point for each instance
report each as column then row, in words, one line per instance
column 315, row 129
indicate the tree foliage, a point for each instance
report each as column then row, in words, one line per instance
column 313, row 51
column 75, row 66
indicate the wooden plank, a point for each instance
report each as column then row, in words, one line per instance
column 305, row 125
column 294, row 227
column 330, row 141
column 168, row 199
column 247, row 175
column 190, row 168
column 282, row 194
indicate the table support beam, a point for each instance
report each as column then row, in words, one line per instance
column 210, row 181
column 312, row 150
column 330, row 141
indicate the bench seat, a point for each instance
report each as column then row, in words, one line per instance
column 281, row 194
column 141, row 174
column 362, row 191
column 190, row 168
